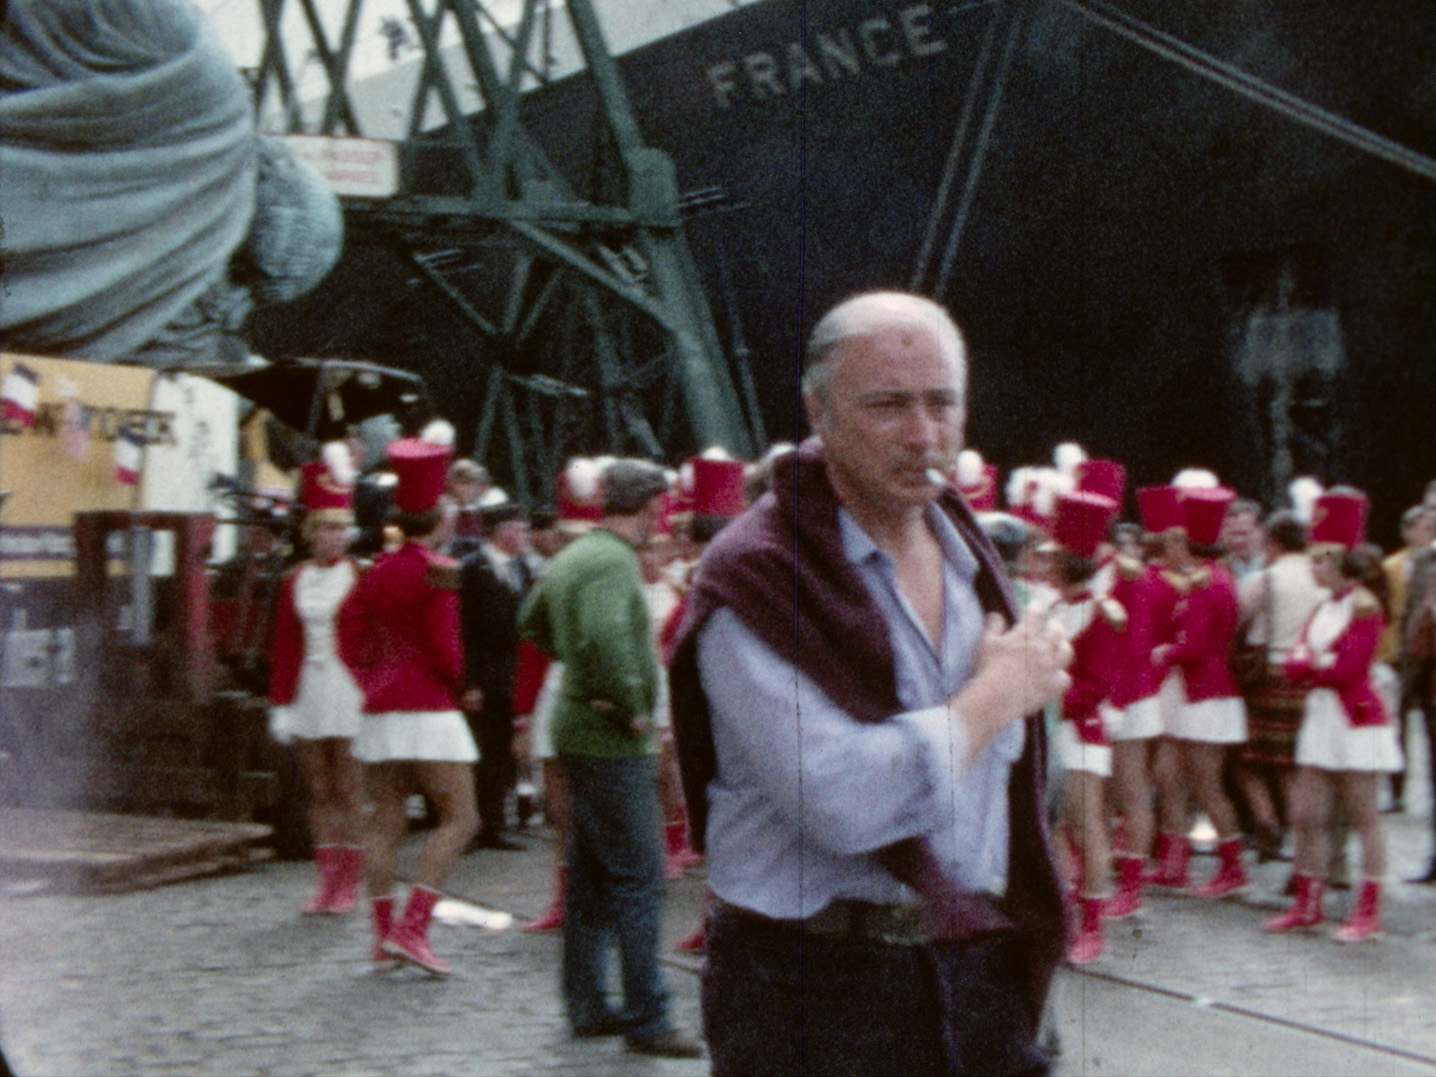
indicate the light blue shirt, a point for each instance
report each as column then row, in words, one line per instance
column 804, row 793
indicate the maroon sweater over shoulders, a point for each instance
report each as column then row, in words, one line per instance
column 781, row 568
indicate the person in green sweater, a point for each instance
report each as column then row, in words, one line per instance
column 588, row 612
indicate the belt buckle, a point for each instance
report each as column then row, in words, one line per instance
column 861, row 921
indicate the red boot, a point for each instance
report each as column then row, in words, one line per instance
column 327, row 862
column 1087, row 945
column 551, row 919
column 675, row 840
column 349, row 876
column 1365, row 919
column 382, row 911
column 1305, row 910
column 409, row 939
column 1128, row 898
column 1173, row 861
column 1231, row 876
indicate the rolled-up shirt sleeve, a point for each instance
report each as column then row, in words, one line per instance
column 850, row 787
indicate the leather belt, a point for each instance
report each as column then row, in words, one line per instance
column 856, row 921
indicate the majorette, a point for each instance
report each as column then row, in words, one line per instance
column 1213, row 713
column 1094, row 626
column 312, row 694
column 399, row 632
column 1134, row 696
column 1346, row 737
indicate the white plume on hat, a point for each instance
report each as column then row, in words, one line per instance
column 969, row 470
column 1196, row 478
column 1038, row 488
column 438, row 432
column 584, row 478
column 339, row 459
column 1068, row 455
column 1050, row 483
column 716, row 452
column 1303, row 492
column 1021, row 485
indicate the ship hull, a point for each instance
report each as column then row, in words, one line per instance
column 1141, row 260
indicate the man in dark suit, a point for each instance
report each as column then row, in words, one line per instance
column 495, row 580
column 1418, row 665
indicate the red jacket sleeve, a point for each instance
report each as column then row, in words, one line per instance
column 1354, row 651
column 286, row 645
column 351, row 632
column 529, row 671
column 445, row 647
column 1097, row 652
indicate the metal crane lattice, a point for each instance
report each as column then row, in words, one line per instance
column 591, row 328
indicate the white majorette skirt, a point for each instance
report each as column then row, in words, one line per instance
column 1212, row 721
column 1327, row 739
column 541, row 722
column 1171, row 698
column 1072, row 754
column 1141, row 720
column 327, row 704
column 420, row 736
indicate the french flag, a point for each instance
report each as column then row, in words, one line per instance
column 20, row 395
column 129, row 455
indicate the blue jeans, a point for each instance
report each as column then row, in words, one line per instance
column 781, row 1003
column 615, row 893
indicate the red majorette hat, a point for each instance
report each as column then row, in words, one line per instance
column 422, row 469
column 1081, row 521
column 1339, row 520
column 1203, row 512
column 977, row 479
column 578, row 495
column 1160, row 508
column 326, row 486
column 717, row 487
column 1105, row 477
column 323, row 495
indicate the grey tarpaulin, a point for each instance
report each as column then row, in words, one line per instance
column 128, row 180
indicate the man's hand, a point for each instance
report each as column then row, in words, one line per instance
column 635, row 727
column 1018, row 671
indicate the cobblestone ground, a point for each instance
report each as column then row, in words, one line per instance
column 1383, row 992
column 222, row 976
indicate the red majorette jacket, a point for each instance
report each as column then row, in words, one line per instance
column 399, row 632
column 1146, row 598
column 1206, row 621
column 1096, row 629
column 1345, row 664
column 286, row 641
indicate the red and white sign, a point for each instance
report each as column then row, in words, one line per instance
column 129, row 456
column 20, row 395
column 353, row 167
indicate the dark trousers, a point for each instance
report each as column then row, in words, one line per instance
column 778, row 1002
column 615, row 894
column 1418, row 689
column 493, row 728
column 1428, row 719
